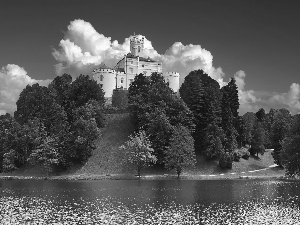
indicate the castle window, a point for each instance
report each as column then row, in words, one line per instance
column 139, row 49
column 122, row 80
column 131, row 70
column 101, row 77
column 130, row 81
column 101, row 85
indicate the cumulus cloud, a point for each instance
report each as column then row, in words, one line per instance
column 13, row 79
column 83, row 49
column 252, row 101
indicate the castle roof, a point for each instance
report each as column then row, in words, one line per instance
column 104, row 67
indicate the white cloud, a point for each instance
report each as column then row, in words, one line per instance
column 13, row 79
column 83, row 49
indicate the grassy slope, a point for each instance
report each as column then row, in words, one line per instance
column 106, row 159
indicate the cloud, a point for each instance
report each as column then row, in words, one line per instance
column 186, row 58
column 252, row 101
column 83, row 49
column 13, row 79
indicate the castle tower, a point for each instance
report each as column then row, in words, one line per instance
column 173, row 79
column 137, row 45
column 106, row 77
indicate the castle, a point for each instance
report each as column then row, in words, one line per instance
column 134, row 63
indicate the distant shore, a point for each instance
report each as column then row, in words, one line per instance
column 147, row 177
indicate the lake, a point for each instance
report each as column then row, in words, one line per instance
column 149, row 202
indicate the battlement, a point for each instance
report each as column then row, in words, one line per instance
column 100, row 70
column 173, row 74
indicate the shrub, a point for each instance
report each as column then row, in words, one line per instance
column 237, row 155
column 246, row 155
column 257, row 149
column 226, row 160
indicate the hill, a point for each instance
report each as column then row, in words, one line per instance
column 106, row 160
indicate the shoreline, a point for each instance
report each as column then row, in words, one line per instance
column 87, row 177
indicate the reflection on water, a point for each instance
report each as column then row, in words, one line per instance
column 150, row 202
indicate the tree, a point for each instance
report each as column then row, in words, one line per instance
column 159, row 130
column 58, row 88
column 249, row 121
column 36, row 102
column 230, row 97
column 202, row 95
column 155, row 108
column 241, row 131
column 180, row 153
column 290, row 154
column 280, row 129
column 9, row 161
column 9, row 129
column 47, row 154
column 138, row 151
column 261, row 115
column 84, row 89
column 214, row 137
column 258, row 140
column 226, row 160
column 81, row 91
column 80, row 141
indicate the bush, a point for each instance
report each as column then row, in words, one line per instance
column 246, row 155
column 237, row 155
column 257, row 149
column 226, row 160
column 241, row 153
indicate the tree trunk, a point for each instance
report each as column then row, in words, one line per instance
column 139, row 172
column 178, row 170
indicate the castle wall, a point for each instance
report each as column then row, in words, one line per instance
column 106, row 79
column 173, row 79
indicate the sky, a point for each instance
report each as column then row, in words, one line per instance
column 256, row 41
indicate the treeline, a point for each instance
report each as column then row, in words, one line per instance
column 203, row 111
column 215, row 113
column 54, row 126
column 278, row 130
column 209, row 114
column 164, row 118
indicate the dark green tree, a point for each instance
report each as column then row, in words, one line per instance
column 58, row 88
column 230, row 97
column 214, row 137
column 202, row 95
column 249, row 121
column 155, row 108
column 258, row 140
column 290, row 154
column 81, row 91
column 241, row 131
column 260, row 115
column 280, row 129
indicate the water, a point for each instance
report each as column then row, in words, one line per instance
column 150, row 202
